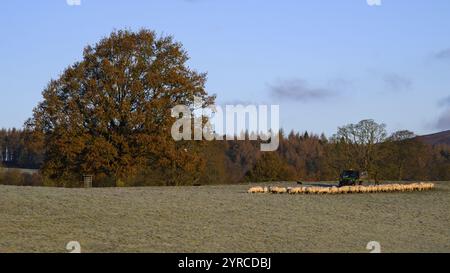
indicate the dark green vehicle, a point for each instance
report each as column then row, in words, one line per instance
column 350, row 178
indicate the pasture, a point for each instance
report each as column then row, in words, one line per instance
column 221, row 219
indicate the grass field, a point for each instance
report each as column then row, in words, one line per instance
column 221, row 219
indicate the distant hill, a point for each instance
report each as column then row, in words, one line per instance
column 436, row 139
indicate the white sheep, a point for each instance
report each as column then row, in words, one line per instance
column 429, row 186
column 415, row 186
column 345, row 189
column 334, row 190
column 323, row 190
column 354, row 189
column 312, row 190
column 297, row 190
column 364, row 189
column 372, row 189
column 277, row 190
column 256, row 190
column 385, row 188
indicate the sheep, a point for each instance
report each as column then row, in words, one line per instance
column 323, row 190
column 398, row 187
column 390, row 188
column 334, row 190
column 313, row 190
column 420, row 186
column 277, row 190
column 355, row 189
column 364, row 189
column 318, row 190
column 345, row 189
column 426, row 186
column 291, row 190
column 429, row 186
column 256, row 190
column 371, row 189
column 404, row 188
column 296, row 190
column 415, row 186
column 385, row 188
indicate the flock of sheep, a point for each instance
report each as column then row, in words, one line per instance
column 346, row 189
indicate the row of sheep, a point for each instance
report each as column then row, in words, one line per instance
column 346, row 189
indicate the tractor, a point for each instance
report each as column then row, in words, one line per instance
column 351, row 178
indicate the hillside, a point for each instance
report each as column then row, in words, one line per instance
column 436, row 139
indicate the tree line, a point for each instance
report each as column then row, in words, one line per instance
column 17, row 150
column 301, row 157
column 110, row 115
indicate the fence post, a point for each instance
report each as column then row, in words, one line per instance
column 87, row 179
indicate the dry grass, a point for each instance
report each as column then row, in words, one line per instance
column 221, row 219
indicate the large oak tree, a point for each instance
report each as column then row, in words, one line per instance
column 110, row 114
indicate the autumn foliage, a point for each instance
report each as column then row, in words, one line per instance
column 109, row 115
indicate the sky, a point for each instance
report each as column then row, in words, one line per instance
column 327, row 63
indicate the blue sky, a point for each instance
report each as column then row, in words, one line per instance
column 326, row 63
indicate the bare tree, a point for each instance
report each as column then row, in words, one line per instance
column 361, row 141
